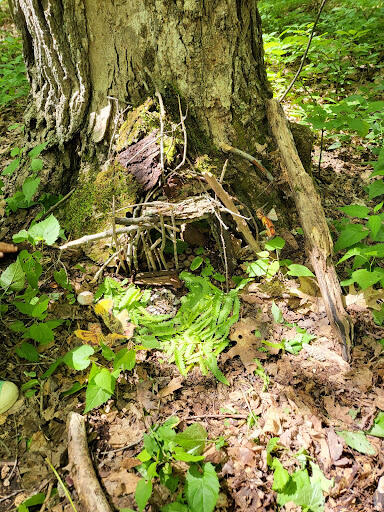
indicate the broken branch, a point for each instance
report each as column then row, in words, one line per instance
column 83, row 474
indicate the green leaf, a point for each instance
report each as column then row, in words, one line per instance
column 193, row 438
column 125, row 360
column 273, row 269
column 357, row 441
column 186, row 457
column 299, row 270
column 29, row 188
column 13, row 277
column 202, row 488
column 360, row 126
column 76, row 386
column 196, row 263
column 78, row 358
column 280, row 476
column 105, row 380
column 374, row 224
column 95, row 396
column 28, row 352
column 17, row 326
column 211, row 362
column 350, row 235
column 21, row 236
column 356, row 210
column 258, row 268
column 61, row 279
column 302, row 492
column 378, row 426
column 11, row 168
column 376, row 189
column 31, row 266
column 378, row 316
column 107, row 352
column 41, row 333
column 318, row 478
column 276, row 243
column 47, row 230
column 364, row 278
column 143, row 493
column 36, row 164
column 37, row 499
column 37, row 150
column 276, row 313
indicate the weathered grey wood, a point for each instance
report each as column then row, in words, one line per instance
column 82, row 472
column 318, row 239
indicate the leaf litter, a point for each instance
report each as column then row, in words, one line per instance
column 323, row 412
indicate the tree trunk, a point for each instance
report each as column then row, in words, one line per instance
column 85, row 56
column 89, row 60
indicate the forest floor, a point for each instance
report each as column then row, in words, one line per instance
column 289, row 406
column 300, row 399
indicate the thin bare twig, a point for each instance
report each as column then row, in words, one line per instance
column 56, row 205
column 182, row 119
column 175, row 243
column 305, row 53
column 105, row 264
column 127, row 447
column 162, row 115
column 98, row 236
column 227, row 148
column 217, row 416
column 223, row 171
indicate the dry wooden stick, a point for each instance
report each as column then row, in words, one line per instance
column 318, row 239
column 230, row 149
column 162, row 115
column 84, row 477
column 98, row 236
column 226, row 199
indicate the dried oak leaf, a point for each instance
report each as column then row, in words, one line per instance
column 247, row 344
column 175, row 384
column 129, row 480
column 368, row 298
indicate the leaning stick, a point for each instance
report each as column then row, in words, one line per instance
column 226, row 199
column 84, row 477
column 318, row 239
column 230, row 149
column 99, row 236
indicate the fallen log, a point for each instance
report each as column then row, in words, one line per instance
column 83, row 475
column 319, row 244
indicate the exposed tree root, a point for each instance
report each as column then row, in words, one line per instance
column 84, row 477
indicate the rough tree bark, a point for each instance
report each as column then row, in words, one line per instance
column 81, row 54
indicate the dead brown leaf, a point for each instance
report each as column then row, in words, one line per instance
column 129, row 480
column 175, row 384
column 247, row 344
column 336, row 411
column 124, row 432
column 362, row 378
column 145, row 396
column 335, row 445
column 272, row 423
column 368, row 298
